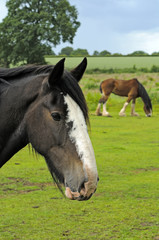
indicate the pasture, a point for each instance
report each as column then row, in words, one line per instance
column 126, row 203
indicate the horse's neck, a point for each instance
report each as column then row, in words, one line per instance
column 14, row 103
column 15, row 100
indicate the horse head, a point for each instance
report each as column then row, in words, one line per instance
column 56, row 127
column 148, row 110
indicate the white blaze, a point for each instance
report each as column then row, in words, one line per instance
column 79, row 135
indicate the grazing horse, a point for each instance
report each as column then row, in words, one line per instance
column 126, row 88
column 44, row 106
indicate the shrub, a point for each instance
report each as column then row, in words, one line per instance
column 90, row 86
column 154, row 97
column 92, row 100
column 151, row 79
column 155, row 68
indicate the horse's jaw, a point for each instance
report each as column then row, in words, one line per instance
column 80, row 180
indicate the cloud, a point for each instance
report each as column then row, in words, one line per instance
column 147, row 41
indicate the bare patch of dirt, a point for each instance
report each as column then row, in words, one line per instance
column 6, row 187
column 140, row 170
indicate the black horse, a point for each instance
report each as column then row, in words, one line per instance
column 44, row 106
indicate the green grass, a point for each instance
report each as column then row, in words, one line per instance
column 126, row 203
column 125, row 206
column 109, row 62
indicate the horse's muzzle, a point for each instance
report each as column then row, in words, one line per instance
column 85, row 193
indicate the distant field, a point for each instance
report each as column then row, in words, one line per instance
column 109, row 62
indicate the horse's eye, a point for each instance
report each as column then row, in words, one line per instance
column 56, row 116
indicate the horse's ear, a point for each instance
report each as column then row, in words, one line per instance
column 56, row 73
column 79, row 70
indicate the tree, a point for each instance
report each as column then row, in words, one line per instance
column 104, row 53
column 117, row 55
column 138, row 53
column 95, row 53
column 66, row 51
column 155, row 54
column 33, row 27
column 80, row 52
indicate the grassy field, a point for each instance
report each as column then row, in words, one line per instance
column 126, row 203
column 125, row 206
column 109, row 62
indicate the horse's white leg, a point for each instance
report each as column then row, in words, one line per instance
column 103, row 101
column 122, row 111
column 98, row 113
column 105, row 113
column 133, row 113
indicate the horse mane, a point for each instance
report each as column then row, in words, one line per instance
column 69, row 85
column 144, row 95
column 30, row 70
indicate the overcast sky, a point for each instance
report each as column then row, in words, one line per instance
column 118, row 26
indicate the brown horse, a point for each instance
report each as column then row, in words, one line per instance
column 44, row 106
column 126, row 88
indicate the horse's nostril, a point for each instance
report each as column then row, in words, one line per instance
column 97, row 179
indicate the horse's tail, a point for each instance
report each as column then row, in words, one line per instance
column 144, row 95
column 100, row 87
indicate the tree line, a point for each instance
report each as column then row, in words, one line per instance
column 69, row 51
